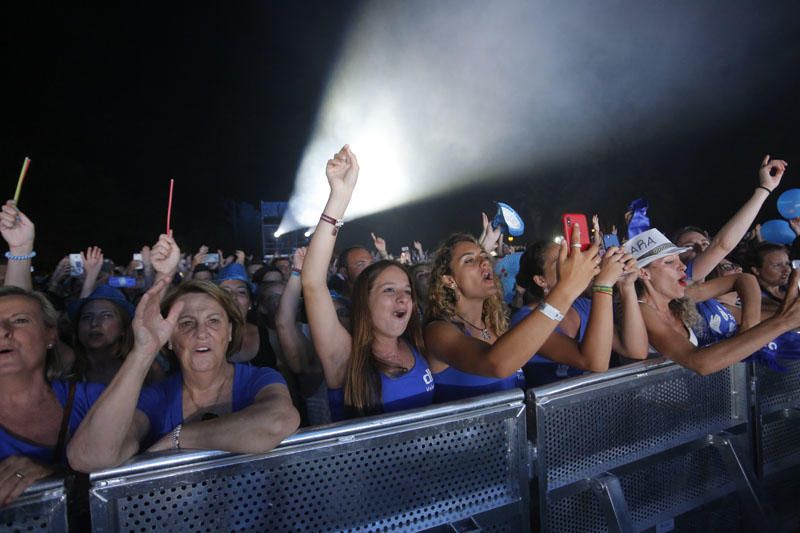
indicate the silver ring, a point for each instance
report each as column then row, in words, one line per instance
column 19, row 475
column 577, row 245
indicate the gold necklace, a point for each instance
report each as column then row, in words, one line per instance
column 485, row 335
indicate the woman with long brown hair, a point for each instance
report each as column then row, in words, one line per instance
column 380, row 367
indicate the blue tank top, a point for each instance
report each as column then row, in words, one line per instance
column 721, row 323
column 541, row 370
column 407, row 391
column 453, row 384
column 85, row 395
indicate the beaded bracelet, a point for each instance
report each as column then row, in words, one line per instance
column 176, row 437
column 604, row 289
column 12, row 257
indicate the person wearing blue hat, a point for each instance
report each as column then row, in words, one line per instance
column 255, row 343
column 102, row 335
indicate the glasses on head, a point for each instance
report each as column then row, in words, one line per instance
column 728, row 267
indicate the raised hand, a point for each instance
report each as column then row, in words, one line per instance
column 240, row 257
column 92, row 261
column 151, row 331
column 576, row 269
column 298, row 258
column 147, row 262
column 597, row 234
column 199, row 256
column 630, row 271
column 380, row 245
column 342, row 171
column 771, row 172
column 17, row 473
column 611, row 267
column 17, row 229
column 490, row 237
column 165, row 255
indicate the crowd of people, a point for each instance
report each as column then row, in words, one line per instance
column 99, row 362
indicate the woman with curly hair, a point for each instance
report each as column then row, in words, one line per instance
column 470, row 348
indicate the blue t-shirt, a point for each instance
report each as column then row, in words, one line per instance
column 162, row 402
column 407, row 391
column 85, row 396
column 541, row 370
column 721, row 323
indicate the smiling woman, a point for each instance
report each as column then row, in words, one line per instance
column 208, row 404
column 380, row 367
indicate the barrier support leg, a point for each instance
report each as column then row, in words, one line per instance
column 612, row 501
column 745, row 484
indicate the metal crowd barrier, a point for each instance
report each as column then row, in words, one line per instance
column 777, row 416
column 640, row 445
column 41, row 508
column 452, row 467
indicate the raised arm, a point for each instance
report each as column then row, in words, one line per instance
column 111, row 431
column 714, row 357
column 380, row 246
column 331, row 341
column 92, row 263
column 630, row 337
column 18, row 232
column 746, row 285
column 725, row 241
column 513, row 349
column 295, row 346
column 594, row 352
column 164, row 257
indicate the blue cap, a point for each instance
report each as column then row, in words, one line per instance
column 237, row 272
column 103, row 292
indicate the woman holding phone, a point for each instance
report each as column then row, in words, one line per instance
column 472, row 351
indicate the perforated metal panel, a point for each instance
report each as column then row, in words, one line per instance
column 407, row 478
column 654, row 491
column 584, row 433
column 780, row 444
column 778, row 390
column 42, row 508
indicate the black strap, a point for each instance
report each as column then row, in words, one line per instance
column 62, row 433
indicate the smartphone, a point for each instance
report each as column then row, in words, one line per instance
column 609, row 240
column 75, row 265
column 795, row 264
column 122, row 282
column 405, row 255
column 568, row 221
column 137, row 259
column 211, row 259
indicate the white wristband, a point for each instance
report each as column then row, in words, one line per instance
column 550, row 312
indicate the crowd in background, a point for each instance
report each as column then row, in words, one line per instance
column 101, row 361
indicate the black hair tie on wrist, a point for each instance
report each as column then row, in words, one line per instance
column 769, row 191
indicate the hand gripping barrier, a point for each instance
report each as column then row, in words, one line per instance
column 640, row 445
column 41, row 508
column 454, row 467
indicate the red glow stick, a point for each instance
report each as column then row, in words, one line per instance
column 169, row 204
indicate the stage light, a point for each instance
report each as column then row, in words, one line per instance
column 557, row 239
column 433, row 96
column 309, row 232
column 277, row 234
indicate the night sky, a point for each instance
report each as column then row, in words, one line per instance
column 111, row 102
